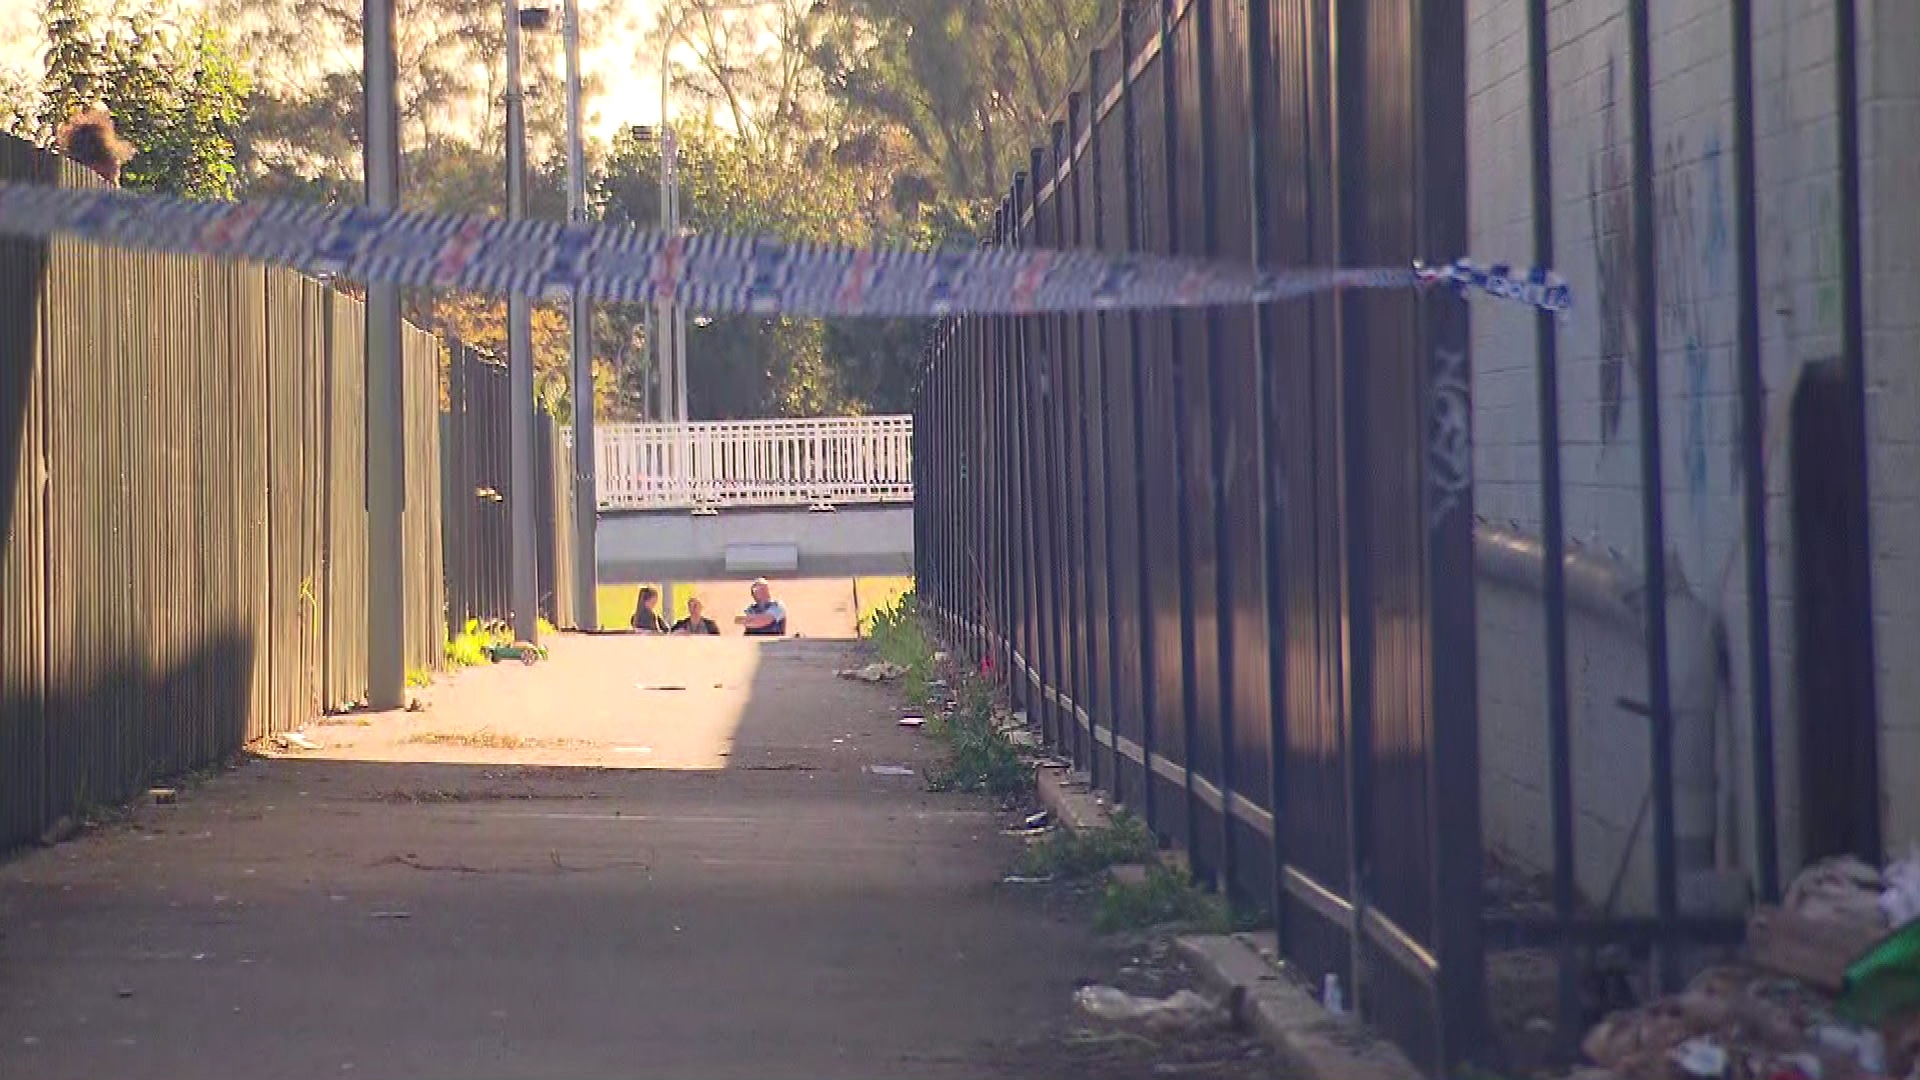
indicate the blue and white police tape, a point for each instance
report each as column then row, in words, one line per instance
column 706, row 273
column 1535, row 288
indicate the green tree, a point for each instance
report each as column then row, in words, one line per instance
column 972, row 82
column 174, row 88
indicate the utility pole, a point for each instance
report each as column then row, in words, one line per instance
column 386, row 414
column 524, row 582
column 586, row 502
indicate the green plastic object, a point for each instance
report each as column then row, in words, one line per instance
column 523, row 652
column 1883, row 983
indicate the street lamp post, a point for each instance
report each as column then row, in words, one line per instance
column 385, row 415
column 523, row 582
column 586, row 500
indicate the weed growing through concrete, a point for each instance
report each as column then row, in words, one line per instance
column 1069, row 854
column 472, row 646
column 469, row 647
column 1165, row 896
column 980, row 756
column 900, row 637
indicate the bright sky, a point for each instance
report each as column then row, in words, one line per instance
column 627, row 64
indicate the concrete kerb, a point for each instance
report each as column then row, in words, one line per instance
column 1245, row 971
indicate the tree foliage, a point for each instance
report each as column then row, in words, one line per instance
column 864, row 122
column 972, row 82
column 175, row 87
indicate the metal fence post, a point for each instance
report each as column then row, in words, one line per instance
column 1346, row 151
column 1102, row 369
column 1217, row 462
column 1086, row 364
column 1060, row 476
column 1024, row 506
column 1553, row 539
column 1136, row 373
column 1439, row 56
column 1753, row 468
column 1176, row 361
column 1652, row 495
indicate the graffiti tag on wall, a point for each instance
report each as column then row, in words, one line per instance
column 1691, row 254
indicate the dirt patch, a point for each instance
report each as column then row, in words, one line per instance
column 491, row 740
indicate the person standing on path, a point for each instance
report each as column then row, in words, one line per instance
column 765, row 617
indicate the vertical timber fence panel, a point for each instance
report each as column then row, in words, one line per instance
column 183, row 493
column 24, row 688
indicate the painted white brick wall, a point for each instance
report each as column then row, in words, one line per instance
column 1599, row 388
column 1890, row 226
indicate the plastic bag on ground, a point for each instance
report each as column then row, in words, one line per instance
column 880, row 671
column 1184, row 1009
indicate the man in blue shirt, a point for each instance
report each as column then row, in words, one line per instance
column 764, row 617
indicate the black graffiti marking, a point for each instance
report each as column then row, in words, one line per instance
column 1449, row 436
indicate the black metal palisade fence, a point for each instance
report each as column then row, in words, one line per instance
column 1226, row 555
column 1229, row 558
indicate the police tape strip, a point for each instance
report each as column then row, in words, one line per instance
column 706, row 272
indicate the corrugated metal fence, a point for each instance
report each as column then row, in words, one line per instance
column 184, row 565
column 1226, row 557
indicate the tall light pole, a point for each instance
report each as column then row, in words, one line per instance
column 586, row 500
column 386, row 416
column 523, row 583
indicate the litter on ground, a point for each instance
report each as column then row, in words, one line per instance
column 878, row 671
column 1182, row 1009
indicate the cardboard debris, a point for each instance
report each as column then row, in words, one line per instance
column 1773, row 1017
column 1813, row 951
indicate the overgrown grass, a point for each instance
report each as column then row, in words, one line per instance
column 875, row 593
column 980, row 757
column 468, row 648
column 1068, row 854
column 901, row 638
column 1166, row 896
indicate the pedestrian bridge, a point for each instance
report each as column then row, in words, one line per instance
column 682, row 502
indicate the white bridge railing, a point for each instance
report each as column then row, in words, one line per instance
column 836, row 461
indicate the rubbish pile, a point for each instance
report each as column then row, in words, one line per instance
column 1827, row 988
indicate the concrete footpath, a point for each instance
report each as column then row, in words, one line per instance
column 646, row 858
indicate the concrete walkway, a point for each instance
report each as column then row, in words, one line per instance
column 565, row 871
